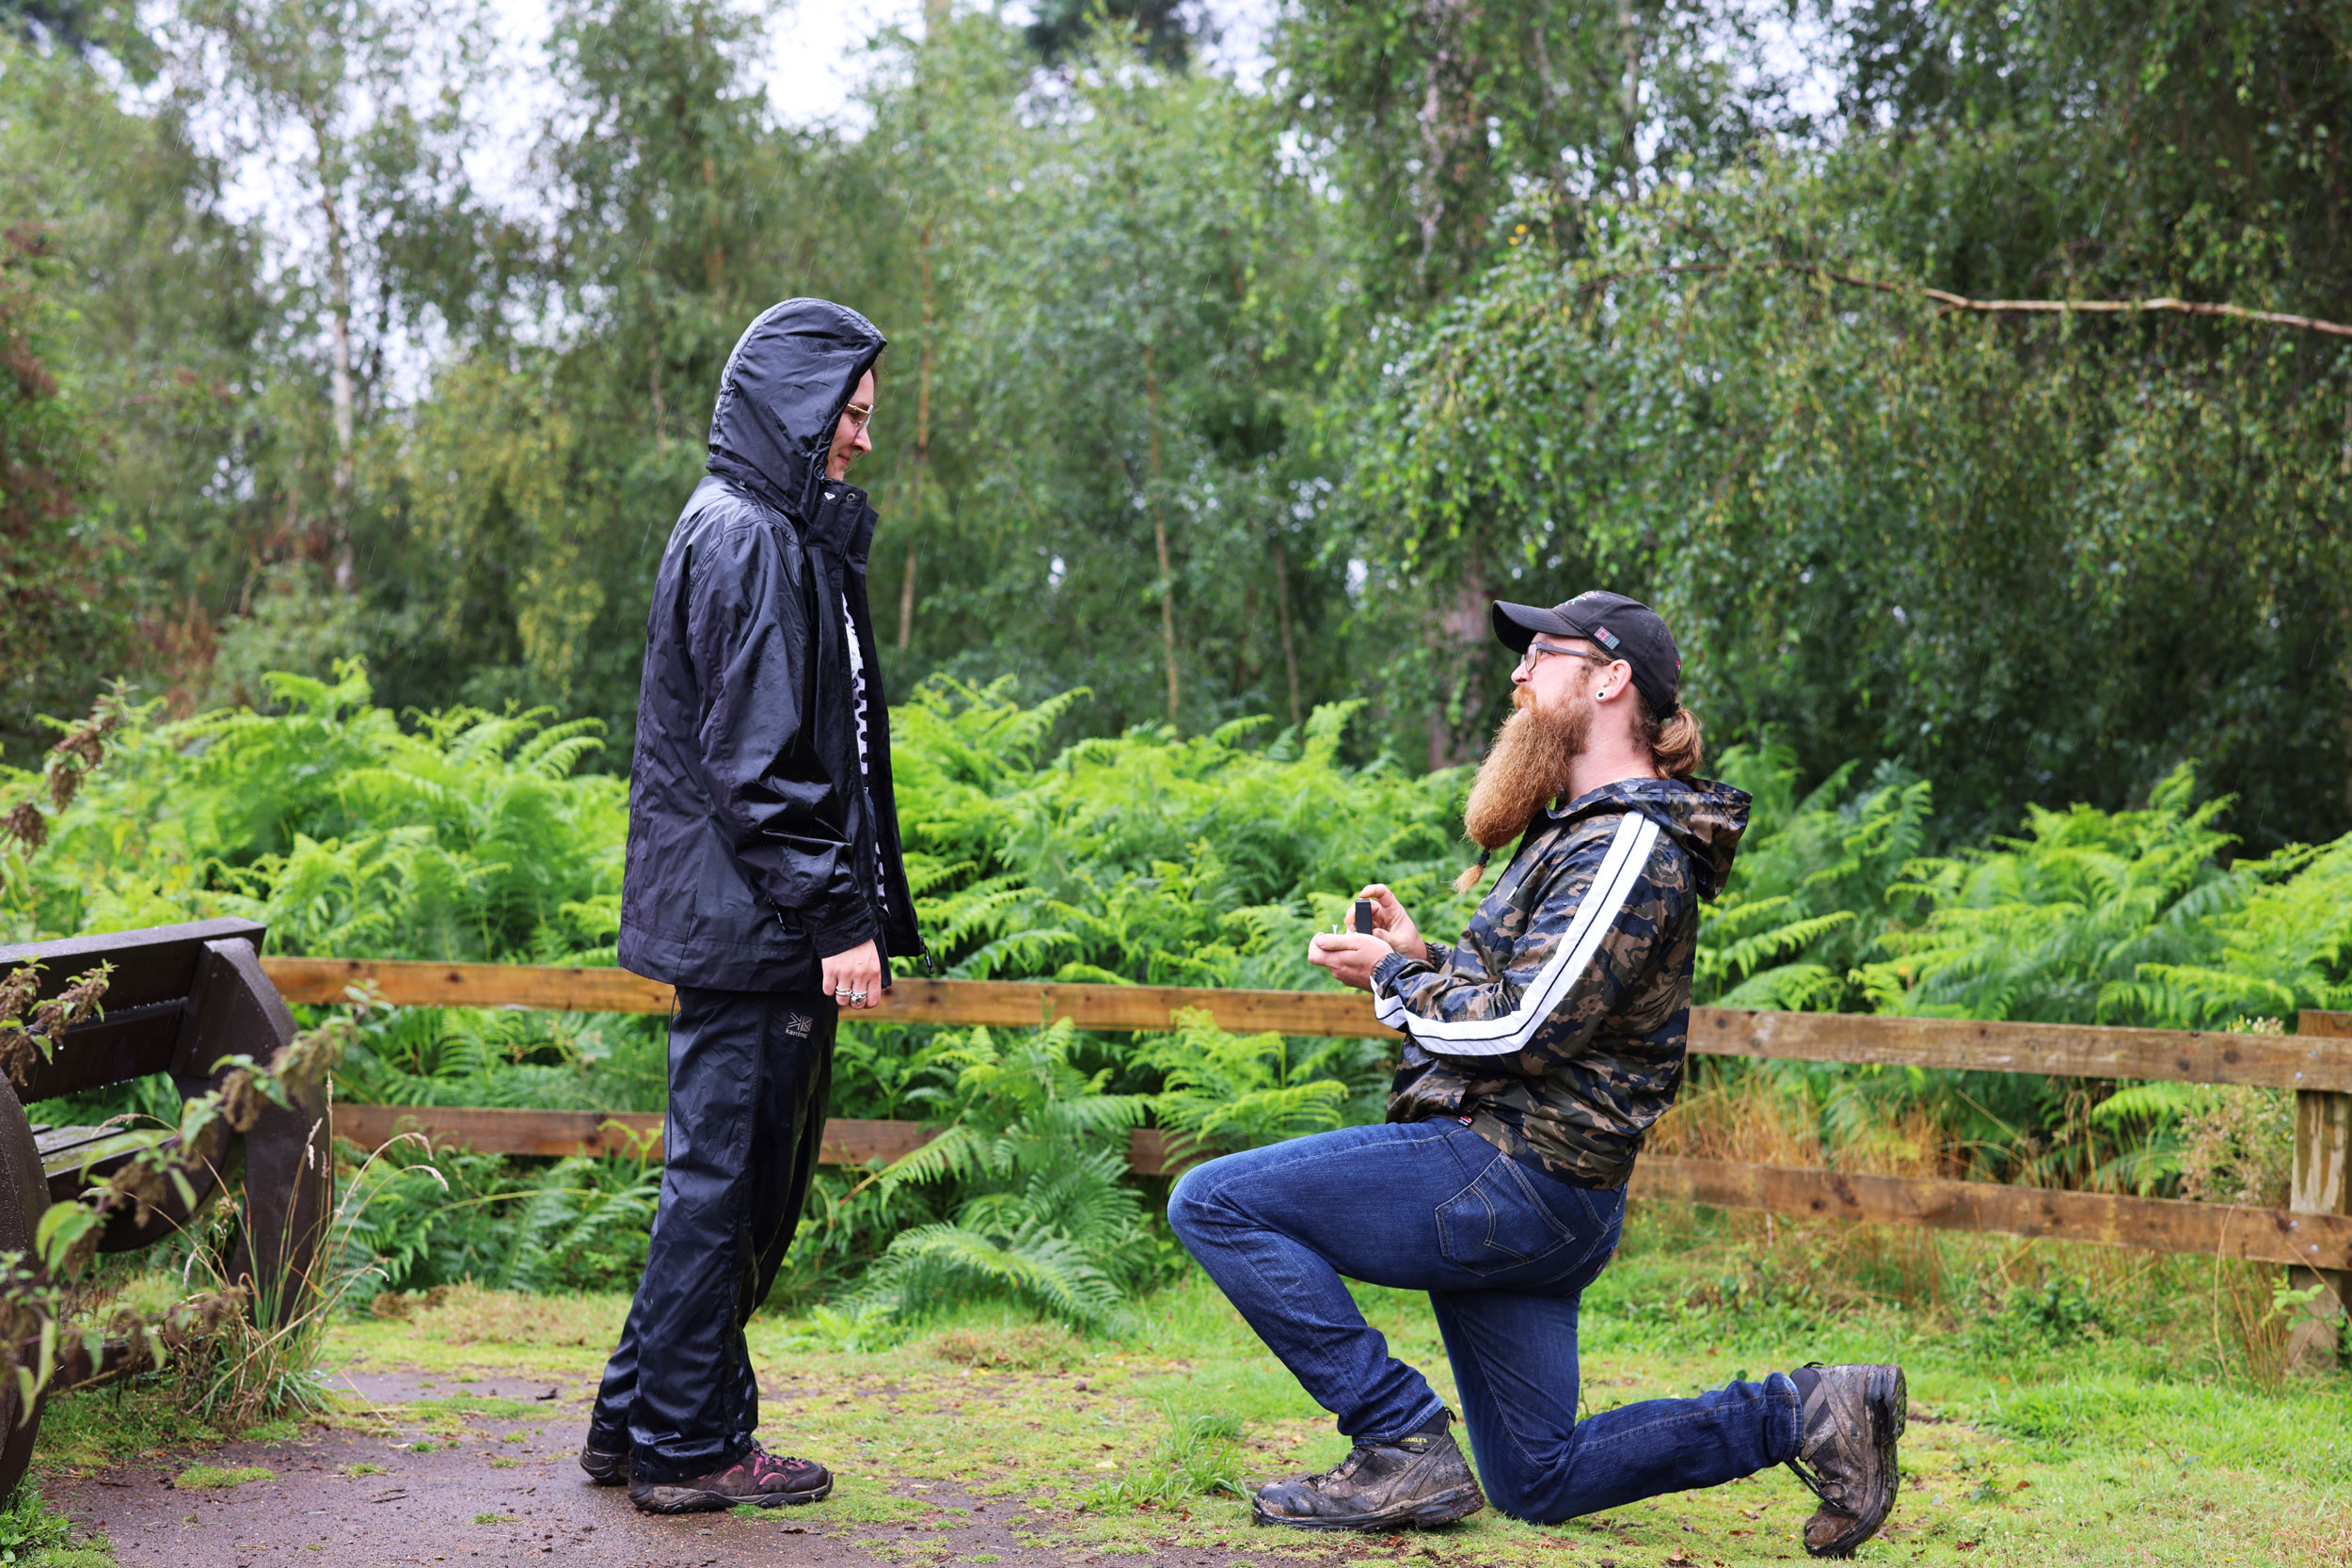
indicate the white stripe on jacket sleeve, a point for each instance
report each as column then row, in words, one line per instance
column 1621, row 870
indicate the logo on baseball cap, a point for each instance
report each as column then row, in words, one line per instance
column 1627, row 628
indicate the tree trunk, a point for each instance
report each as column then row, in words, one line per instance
column 653, row 383
column 1159, row 526
column 1460, row 638
column 714, row 260
column 1282, row 614
column 339, row 379
column 1629, row 90
column 922, row 465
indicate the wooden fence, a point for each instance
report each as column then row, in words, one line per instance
column 2313, row 1235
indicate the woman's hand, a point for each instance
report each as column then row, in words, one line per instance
column 1391, row 925
column 853, row 980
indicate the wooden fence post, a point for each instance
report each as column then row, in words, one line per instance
column 2322, row 1185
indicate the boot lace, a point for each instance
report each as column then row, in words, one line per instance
column 1832, row 1494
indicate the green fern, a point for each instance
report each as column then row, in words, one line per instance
column 1226, row 1091
column 1033, row 1151
column 933, row 1265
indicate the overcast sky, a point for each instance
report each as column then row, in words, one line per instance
column 814, row 67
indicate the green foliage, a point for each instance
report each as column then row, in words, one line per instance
column 2089, row 916
column 1199, row 1457
column 1046, row 1214
column 1148, row 858
column 1263, row 388
column 1435, row 120
column 1982, row 548
column 2123, row 917
column 466, row 835
column 52, row 554
column 546, row 1228
column 2052, row 1315
column 1811, row 890
column 581, row 1230
column 1151, row 857
column 27, row 1528
column 2056, row 925
column 1226, row 1092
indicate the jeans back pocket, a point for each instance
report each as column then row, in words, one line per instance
column 1499, row 1223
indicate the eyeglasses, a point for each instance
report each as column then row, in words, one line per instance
column 858, row 416
column 1536, row 652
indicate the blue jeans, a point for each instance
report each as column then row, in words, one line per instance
column 1504, row 1251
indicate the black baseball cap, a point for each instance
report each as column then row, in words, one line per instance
column 1624, row 628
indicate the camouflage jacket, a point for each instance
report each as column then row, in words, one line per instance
column 1555, row 1028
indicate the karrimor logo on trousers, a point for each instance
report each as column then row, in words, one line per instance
column 798, row 1025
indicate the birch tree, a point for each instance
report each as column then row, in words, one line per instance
column 356, row 107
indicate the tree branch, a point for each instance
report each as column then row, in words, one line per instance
column 2082, row 306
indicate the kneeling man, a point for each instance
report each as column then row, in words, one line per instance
column 1540, row 1050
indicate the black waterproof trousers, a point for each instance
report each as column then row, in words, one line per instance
column 749, row 1072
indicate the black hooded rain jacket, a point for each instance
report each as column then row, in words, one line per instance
column 752, row 849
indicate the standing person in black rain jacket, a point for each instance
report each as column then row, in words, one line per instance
column 763, row 880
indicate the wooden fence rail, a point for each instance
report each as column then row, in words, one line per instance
column 2062, row 1050
column 2313, row 1235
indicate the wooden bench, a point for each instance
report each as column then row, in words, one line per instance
column 182, row 1001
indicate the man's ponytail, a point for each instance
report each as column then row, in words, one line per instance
column 1676, row 747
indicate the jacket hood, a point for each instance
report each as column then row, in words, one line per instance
column 1705, row 817
column 780, row 397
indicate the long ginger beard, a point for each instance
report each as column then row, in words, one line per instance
column 1527, row 765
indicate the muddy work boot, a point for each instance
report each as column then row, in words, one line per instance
column 759, row 1478
column 604, row 1467
column 1420, row 1480
column 1847, row 1429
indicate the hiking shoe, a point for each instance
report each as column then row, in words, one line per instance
column 1846, row 1430
column 604, row 1469
column 759, row 1479
column 1422, row 1479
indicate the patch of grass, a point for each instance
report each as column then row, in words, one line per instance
column 459, row 1315
column 87, row 1430
column 473, row 1404
column 28, row 1530
column 497, row 1518
column 365, row 1469
column 499, row 1464
column 863, row 1502
column 1199, row 1457
column 205, row 1477
column 1029, row 1347
column 2136, row 1440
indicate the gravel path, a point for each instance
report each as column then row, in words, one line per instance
column 506, row 1490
